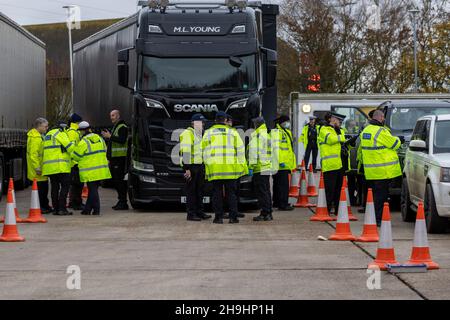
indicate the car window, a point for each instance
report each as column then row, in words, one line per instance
column 441, row 137
column 418, row 130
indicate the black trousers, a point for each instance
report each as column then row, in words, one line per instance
column 261, row 187
column 76, row 188
column 93, row 200
column 380, row 189
column 314, row 150
column 230, row 187
column 362, row 190
column 281, row 189
column 43, row 195
column 60, row 188
column 333, row 184
column 118, row 171
column 194, row 191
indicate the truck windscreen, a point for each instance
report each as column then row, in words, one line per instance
column 198, row 74
column 404, row 119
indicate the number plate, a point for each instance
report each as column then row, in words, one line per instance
column 205, row 200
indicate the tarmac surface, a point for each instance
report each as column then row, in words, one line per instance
column 157, row 254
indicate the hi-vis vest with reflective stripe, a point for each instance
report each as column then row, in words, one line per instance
column 259, row 150
column 118, row 149
column 330, row 148
column 282, row 150
column 379, row 154
column 190, row 148
column 304, row 136
column 223, row 154
column 74, row 136
column 91, row 156
column 57, row 149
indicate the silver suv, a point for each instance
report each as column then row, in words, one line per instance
column 427, row 172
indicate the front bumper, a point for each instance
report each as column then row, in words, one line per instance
column 442, row 197
column 172, row 188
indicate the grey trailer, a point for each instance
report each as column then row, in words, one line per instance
column 22, row 96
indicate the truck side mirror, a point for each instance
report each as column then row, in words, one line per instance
column 270, row 64
column 123, row 56
column 418, row 145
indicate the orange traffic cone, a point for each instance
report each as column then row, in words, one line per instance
column 303, row 201
column 35, row 214
column 343, row 232
column 16, row 212
column 85, row 192
column 421, row 251
column 385, row 251
column 322, row 213
column 312, row 191
column 351, row 217
column 10, row 233
column 294, row 184
column 370, row 231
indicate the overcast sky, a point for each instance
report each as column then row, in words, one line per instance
column 27, row 12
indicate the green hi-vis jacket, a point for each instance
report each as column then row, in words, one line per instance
column 330, row 148
column 57, row 150
column 379, row 153
column 282, row 149
column 35, row 153
column 259, row 150
column 223, row 153
column 91, row 157
column 190, row 148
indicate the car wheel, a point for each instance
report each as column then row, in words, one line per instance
column 408, row 215
column 435, row 223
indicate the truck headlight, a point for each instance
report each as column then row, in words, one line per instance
column 154, row 104
column 445, row 174
column 238, row 104
column 154, row 29
column 144, row 167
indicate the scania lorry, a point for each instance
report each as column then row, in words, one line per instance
column 170, row 60
column 22, row 97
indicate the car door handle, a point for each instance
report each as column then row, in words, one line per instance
column 425, row 170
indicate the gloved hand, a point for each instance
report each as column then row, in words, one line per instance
column 282, row 165
column 402, row 139
column 250, row 172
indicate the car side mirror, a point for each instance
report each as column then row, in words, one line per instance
column 270, row 67
column 418, row 145
column 123, row 57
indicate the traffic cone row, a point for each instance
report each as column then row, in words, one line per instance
column 322, row 213
column 303, row 201
column 312, row 191
column 420, row 253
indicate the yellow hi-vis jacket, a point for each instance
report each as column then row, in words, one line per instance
column 283, row 155
column 91, row 156
column 74, row 136
column 35, row 150
column 304, row 136
column 259, row 150
column 190, row 148
column 379, row 153
column 330, row 148
column 223, row 153
column 57, row 150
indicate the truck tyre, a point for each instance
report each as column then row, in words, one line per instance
column 408, row 215
column 435, row 223
column 135, row 205
column 2, row 177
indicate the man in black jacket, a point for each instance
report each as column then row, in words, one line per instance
column 117, row 156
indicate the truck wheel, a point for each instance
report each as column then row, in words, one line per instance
column 435, row 223
column 408, row 215
column 135, row 205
